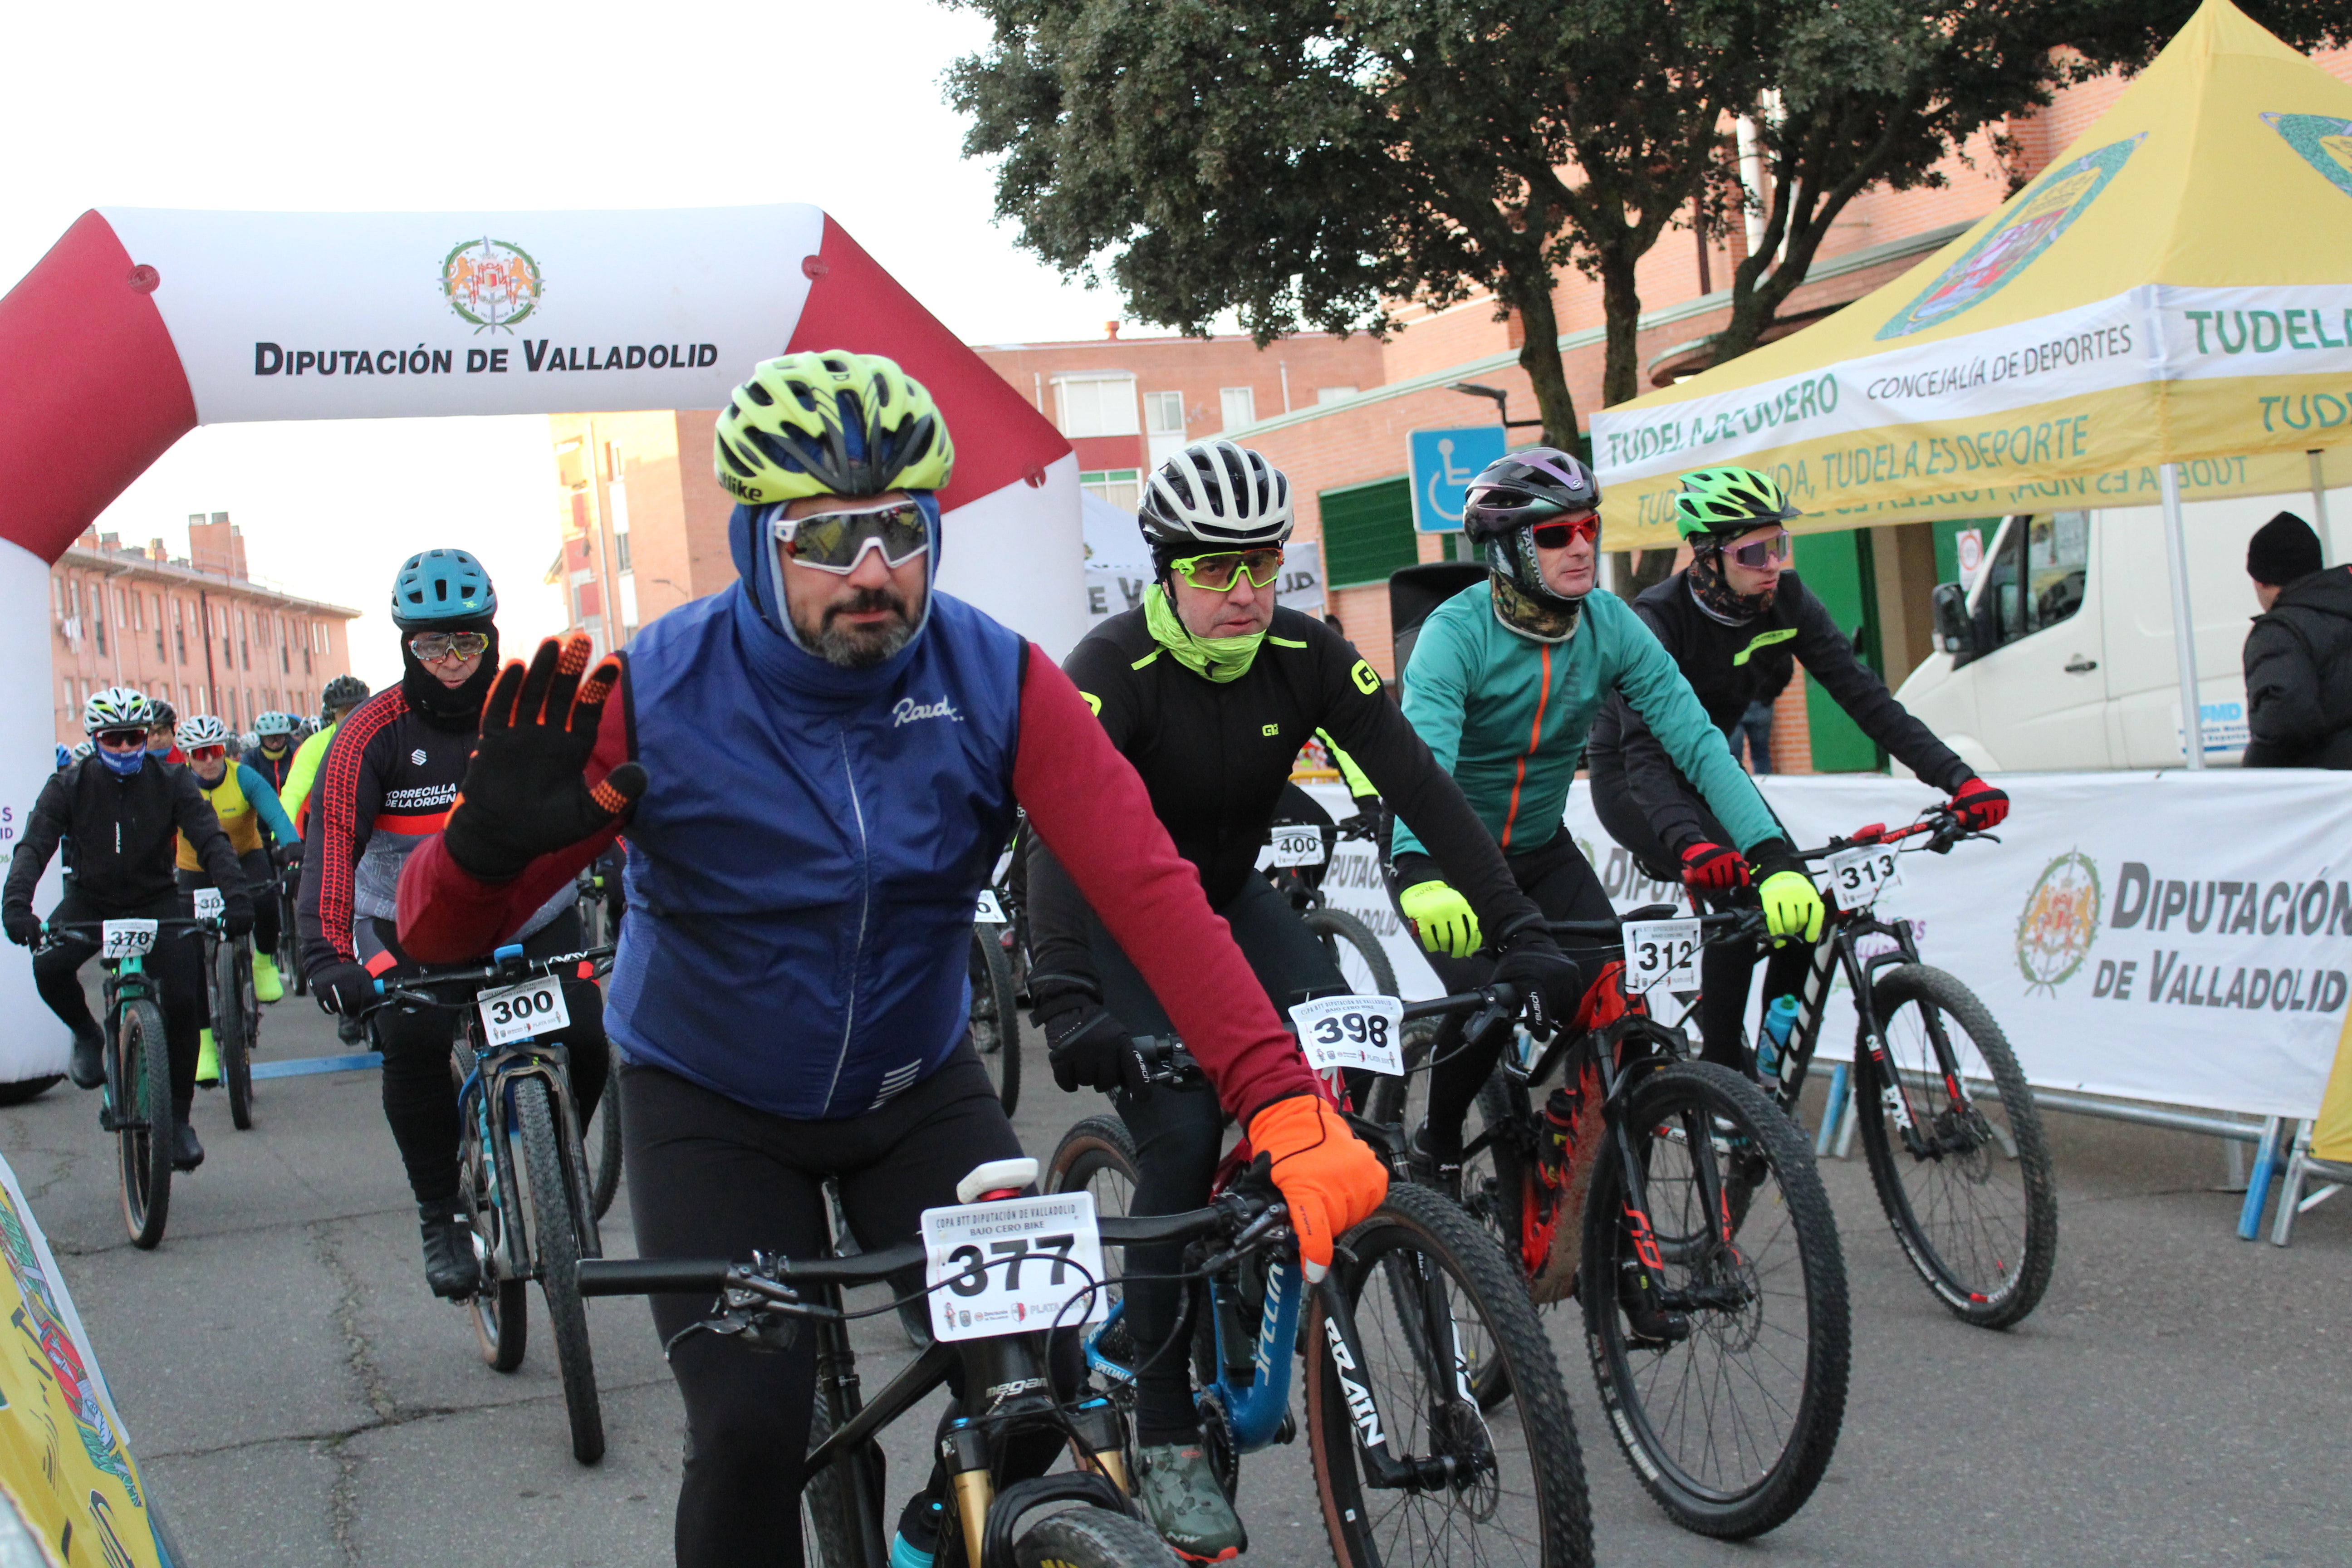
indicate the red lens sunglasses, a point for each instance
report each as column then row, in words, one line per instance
column 1557, row 535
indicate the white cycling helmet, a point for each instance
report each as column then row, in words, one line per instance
column 1214, row 495
column 275, row 723
column 201, row 729
column 116, row 708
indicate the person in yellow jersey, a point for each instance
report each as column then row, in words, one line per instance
column 342, row 694
column 244, row 802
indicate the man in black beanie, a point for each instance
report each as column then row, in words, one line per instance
column 2298, row 656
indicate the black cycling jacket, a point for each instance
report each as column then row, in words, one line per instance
column 125, row 836
column 1216, row 757
column 1729, row 666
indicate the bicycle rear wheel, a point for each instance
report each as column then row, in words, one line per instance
column 555, row 1233
column 234, row 1011
column 140, row 1082
column 1098, row 1155
column 995, row 1015
column 1363, row 962
column 1969, row 1189
column 602, row 1148
column 1731, row 1426
column 1435, row 1307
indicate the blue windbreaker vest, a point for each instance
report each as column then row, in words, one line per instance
column 803, row 868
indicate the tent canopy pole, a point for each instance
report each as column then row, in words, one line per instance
column 2319, row 510
column 2184, row 630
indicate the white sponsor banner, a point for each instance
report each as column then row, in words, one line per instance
column 37, row 1043
column 364, row 315
column 2176, row 937
column 2155, row 333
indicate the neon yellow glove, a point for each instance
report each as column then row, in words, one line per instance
column 1443, row 918
column 1792, row 905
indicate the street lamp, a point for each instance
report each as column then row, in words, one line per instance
column 1502, row 400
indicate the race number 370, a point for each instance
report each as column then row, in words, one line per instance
column 522, row 1012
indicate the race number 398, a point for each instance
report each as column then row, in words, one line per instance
column 1351, row 1032
column 522, row 1012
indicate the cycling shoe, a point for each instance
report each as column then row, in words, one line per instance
column 187, row 1153
column 88, row 1068
column 1187, row 1507
column 449, row 1265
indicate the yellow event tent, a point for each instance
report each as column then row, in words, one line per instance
column 2166, row 311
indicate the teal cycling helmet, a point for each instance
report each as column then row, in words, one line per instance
column 436, row 586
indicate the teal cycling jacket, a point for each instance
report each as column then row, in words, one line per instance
column 1508, row 715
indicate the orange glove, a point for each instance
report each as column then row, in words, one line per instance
column 1329, row 1180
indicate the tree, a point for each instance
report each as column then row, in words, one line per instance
column 1303, row 161
column 1880, row 92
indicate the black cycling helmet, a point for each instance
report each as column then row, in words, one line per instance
column 342, row 694
column 1511, row 497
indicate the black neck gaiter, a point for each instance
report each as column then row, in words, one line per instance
column 458, row 708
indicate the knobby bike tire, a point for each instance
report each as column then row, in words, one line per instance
column 1546, row 1519
column 995, row 1015
column 605, row 1167
column 1985, row 1253
column 1653, row 1419
column 829, row 1533
column 555, row 1232
column 1337, row 926
column 1091, row 1538
column 144, row 1080
column 232, row 1031
column 500, row 1308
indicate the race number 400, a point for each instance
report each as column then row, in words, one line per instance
column 1297, row 846
column 522, row 1012
column 1351, row 1032
column 1662, row 952
column 1860, row 877
column 1014, row 1266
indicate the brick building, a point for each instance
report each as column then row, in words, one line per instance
column 198, row 632
column 642, row 520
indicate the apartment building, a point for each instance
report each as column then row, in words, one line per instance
column 197, row 631
column 640, row 517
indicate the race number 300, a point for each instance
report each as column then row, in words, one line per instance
column 523, row 1012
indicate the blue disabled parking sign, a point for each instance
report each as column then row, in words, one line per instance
column 1443, row 463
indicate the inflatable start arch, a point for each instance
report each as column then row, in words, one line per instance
column 140, row 325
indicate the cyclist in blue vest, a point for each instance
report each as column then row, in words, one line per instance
column 817, row 769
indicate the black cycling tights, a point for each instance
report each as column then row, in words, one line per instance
column 710, row 1177
column 1565, row 888
column 1179, row 1135
column 176, row 963
column 420, row 1100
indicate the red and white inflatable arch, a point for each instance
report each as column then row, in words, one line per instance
column 140, row 325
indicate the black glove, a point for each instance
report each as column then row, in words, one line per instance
column 236, row 916
column 289, row 854
column 1085, row 1043
column 1550, row 986
column 345, row 988
column 23, row 926
column 524, row 794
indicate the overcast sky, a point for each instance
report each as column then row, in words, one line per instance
column 283, row 107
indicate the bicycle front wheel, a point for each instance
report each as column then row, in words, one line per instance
column 1091, row 1538
column 141, row 1083
column 1363, row 962
column 995, row 1015
column 1729, row 1401
column 500, row 1308
column 1437, row 1311
column 1967, row 1187
column 555, row 1231
column 233, row 1016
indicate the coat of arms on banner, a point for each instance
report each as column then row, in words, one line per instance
column 2061, row 197
column 490, row 282
column 2059, row 922
column 2324, row 142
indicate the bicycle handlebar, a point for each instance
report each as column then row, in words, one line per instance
column 1941, row 823
column 507, row 965
column 95, row 931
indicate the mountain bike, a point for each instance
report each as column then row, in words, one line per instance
column 136, row 1103
column 522, row 1172
column 1298, row 857
column 290, row 934
column 1677, row 1204
column 1949, row 1125
column 235, row 1011
column 1419, row 1308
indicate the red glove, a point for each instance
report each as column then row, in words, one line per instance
column 1714, row 869
column 1979, row 806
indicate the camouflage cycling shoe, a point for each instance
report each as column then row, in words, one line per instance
column 1187, row 1507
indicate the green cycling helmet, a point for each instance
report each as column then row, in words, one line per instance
column 1729, row 501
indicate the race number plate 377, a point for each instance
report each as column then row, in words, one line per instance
column 1351, row 1032
column 521, row 1012
column 1015, row 1266
column 1859, row 876
column 1662, row 952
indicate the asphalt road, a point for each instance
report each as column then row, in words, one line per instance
column 296, row 1397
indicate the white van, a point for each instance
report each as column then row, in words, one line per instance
column 2059, row 655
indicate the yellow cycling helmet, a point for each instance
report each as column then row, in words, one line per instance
column 835, row 423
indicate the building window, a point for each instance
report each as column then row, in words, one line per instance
column 617, row 508
column 1123, row 487
column 1333, row 393
column 1367, row 530
column 1097, row 405
column 1163, row 423
column 1239, row 403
